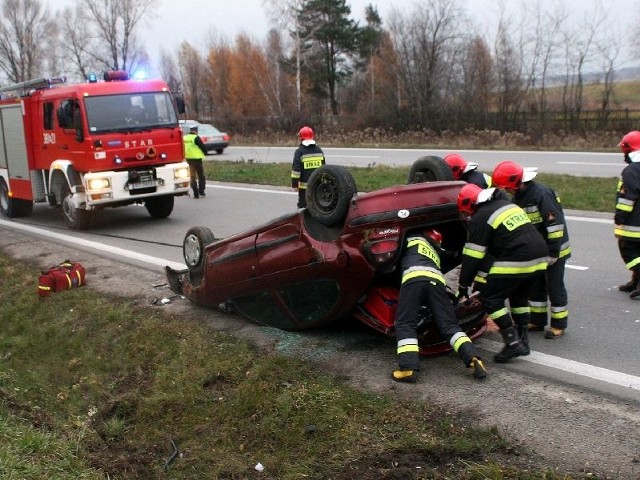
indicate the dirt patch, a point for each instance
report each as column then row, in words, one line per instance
column 571, row 430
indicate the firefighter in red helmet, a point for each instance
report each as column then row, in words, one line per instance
column 466, row 171
column 307, row 157
column 543, row 207
column 503, row 230
column 627, row 214
column 423, row 283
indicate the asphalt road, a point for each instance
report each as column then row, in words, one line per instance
column 572, row 163
column 598, row 351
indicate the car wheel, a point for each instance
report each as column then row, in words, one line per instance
column 219, row 151
column 429, row 169
column 329, row 192
column 193, row 247
column 159, row 207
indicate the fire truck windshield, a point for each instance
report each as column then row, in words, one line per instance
column 132, row 111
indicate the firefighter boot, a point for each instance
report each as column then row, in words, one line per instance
column 632, row 284
column 635, row 292
column 405, row 376
column 523, row 333
column 513, row 347
column 478, row 368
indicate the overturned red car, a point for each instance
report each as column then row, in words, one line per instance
column 334, row 259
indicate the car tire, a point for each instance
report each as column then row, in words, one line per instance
column 193, row 250
column 429, row 169
column 219, row 151
column 329, row 192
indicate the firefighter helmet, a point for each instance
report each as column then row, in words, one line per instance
column 507, row 175
column 457, row 164
column 305, row 133
column 468, row 198
column 630, row 142
column 434, row 235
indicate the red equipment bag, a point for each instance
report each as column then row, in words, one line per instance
column 61, row 277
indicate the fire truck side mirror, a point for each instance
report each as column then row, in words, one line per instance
column 180, row 103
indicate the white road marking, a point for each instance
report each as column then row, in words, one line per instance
column 100, row 247
column 570, row 366
column 592, row 164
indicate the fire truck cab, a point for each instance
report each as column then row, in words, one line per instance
column 87, row 146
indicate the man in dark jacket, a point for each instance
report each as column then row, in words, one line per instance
column 307, row 157
column 542, row 206
column 627, row 215
column 503, row 230
column 424, row 284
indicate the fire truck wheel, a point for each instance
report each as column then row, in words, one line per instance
column 13, row 207
column 159, row 207
column 75, row 218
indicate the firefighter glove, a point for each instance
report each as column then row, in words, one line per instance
column 463, row 292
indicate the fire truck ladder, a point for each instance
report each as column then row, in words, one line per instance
column 37, row 84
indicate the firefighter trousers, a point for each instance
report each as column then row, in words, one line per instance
column 434, row 296
column 514, row 288
column 549, row 290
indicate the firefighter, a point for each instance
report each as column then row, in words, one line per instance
column 543, row 208
column 467, row 171
column 502, row 229
column 307, row 157
column 627, row 214
column 424, row 284
column 194, row 152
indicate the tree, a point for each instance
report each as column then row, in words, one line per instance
column 24, row 31
column 193, row 78
column 427, row 42
column 330, row 42
column 115, row 21
column 286, row 15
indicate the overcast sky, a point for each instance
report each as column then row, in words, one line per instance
column 196, row 20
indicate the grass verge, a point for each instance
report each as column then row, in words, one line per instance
column 98, row 387
column 581, row 193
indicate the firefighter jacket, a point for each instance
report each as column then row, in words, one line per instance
column 484, row 181
column 193, row 147
column 305, row 160
column 542, row 206
column 421, row 261
column 503, row 230
column 627, row 216
column 477, row 178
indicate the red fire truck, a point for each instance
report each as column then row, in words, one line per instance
column 88, row 146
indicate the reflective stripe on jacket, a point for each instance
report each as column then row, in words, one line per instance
column 502, row 230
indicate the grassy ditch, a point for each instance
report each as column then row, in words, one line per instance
column 580, row 193
column 95, row 387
